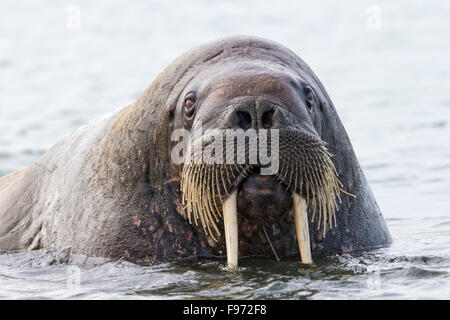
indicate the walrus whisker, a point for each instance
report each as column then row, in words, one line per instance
column 228, row 175
column 270, row 244
column 295, row 180
column 210, row 210
column 215, row 184
column 224, row 185
column 207, row 202
column 290, row 178
column 347, row 193
column 285, row 171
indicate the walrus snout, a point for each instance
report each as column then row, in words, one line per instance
column 262, row 199
column 306, row 177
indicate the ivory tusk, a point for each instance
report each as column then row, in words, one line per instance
column 301, row 227
column 231, row 229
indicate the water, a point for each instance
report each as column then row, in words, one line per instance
column 388, row 78
column 415, row 267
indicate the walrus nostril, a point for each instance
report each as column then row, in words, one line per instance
column 267, row 119
column 244, row 119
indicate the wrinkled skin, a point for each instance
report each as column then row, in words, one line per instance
column 112, row 190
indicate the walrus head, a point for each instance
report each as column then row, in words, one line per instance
column 296, row 184
column 233, row 111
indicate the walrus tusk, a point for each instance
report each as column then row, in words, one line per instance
column 301, row 226
column 231, row 229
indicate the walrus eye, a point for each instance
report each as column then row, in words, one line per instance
column 309, row 96
column 189, row 104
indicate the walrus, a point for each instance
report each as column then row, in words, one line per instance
column 112, row 188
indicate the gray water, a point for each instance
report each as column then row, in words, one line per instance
column 385, row 65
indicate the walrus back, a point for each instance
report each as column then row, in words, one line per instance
column 32, row 200
column 16, row 200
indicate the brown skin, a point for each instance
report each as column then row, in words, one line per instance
column 118, row 194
